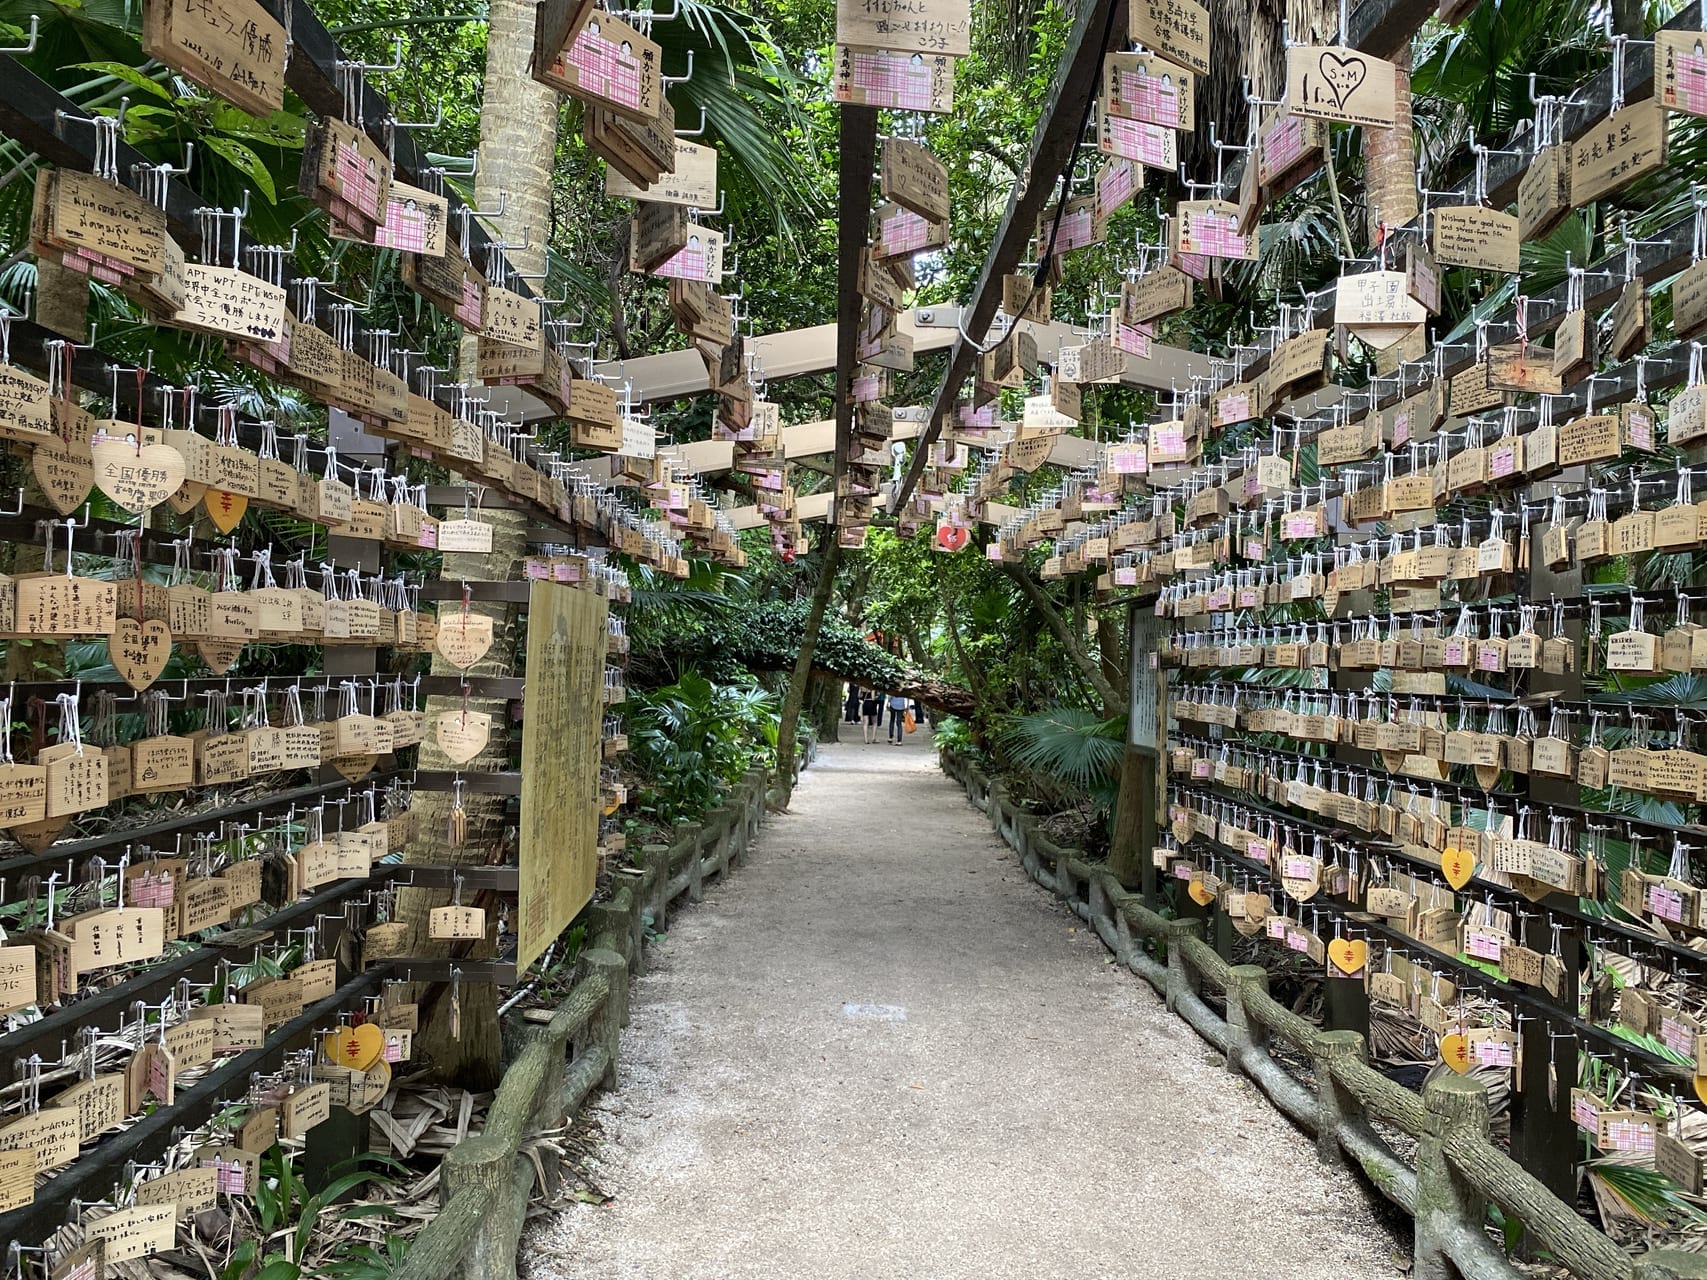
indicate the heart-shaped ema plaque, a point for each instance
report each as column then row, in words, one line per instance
column 1200, row 893
column 65, row 472
column 139, row 651
column 220, row 655
column 1455, row 1052
column 224, row 508
column 355, row 1047
column 462, row 735
column 354, row 767
column 136, row 477
column 464, row 638
column 1457, row 865
column 1348, row 955
column 185, row 497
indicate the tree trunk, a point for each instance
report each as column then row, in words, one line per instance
column 515, row 160
column 801, row 680
column 516, row 154
column 1111, row 651
column 1390, row 161
column 1112, row 700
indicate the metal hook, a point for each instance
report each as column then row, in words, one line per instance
column 693, row 133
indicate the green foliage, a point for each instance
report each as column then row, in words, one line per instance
column 1075, row 747
column 284, row 1207
column 690, row 740
column 953, row 734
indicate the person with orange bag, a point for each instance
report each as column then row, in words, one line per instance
column 897, row 717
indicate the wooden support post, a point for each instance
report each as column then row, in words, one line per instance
column 1223, row 925
column 1449, row 1209
column 1347, row 1002
column 1336, row 1106
column 1244, row 1034
column 1134, row 830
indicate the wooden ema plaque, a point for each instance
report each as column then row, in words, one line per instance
column 1176, row 29
column 1141, row 86
column 561, row 761
column 892, row 79
column 1617, row 151
column 693, row 181
column 906, row 26
column 610, row 64
column 233, row 48
column 914, row 179
column 643, row 152
column 1335, row 83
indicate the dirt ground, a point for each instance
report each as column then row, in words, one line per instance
column 880, row 1051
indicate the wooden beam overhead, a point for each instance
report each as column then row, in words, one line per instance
column 1053, row 144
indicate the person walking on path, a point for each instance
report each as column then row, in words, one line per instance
column 850, row 712
column 897, row 718
column 872, row 705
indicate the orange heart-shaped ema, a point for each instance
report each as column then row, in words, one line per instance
column 1455, row 1052
column 1200, row 893
column 224, row 508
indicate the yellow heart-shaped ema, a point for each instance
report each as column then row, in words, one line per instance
column 1455, row 1052
column 355, row 1047
column 1457, row 865
column 1348, row 955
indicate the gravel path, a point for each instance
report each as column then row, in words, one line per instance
column 880, row 1051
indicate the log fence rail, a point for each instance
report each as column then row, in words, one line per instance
column 1457, row 1170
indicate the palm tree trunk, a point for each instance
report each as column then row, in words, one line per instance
column 516, row 153
column 515, row 159
column 1390, row 160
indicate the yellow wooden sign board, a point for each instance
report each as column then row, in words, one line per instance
column 560, row 762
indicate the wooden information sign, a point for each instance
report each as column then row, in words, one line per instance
column 560, row 762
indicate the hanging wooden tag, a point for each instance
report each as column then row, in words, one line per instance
column 234, row 48
column 913, row 178
column 65, row 472
column 136, row 477
column 1178, row 30
column 462, row 735
column 464, row 637
column 1544, row 193
column 611, row 64
column 456, row 923
column 1475, row 237
column 1632, row 321
column 139, row 651
column 1334, row 83
column 1626, row 145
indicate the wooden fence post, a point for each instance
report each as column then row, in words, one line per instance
column 1182, row 979
column 613, row 1015
column 1449, row 1209
column 696, row 868
column 1244, row 1033
column 1335, row 1104
column 657, row 857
